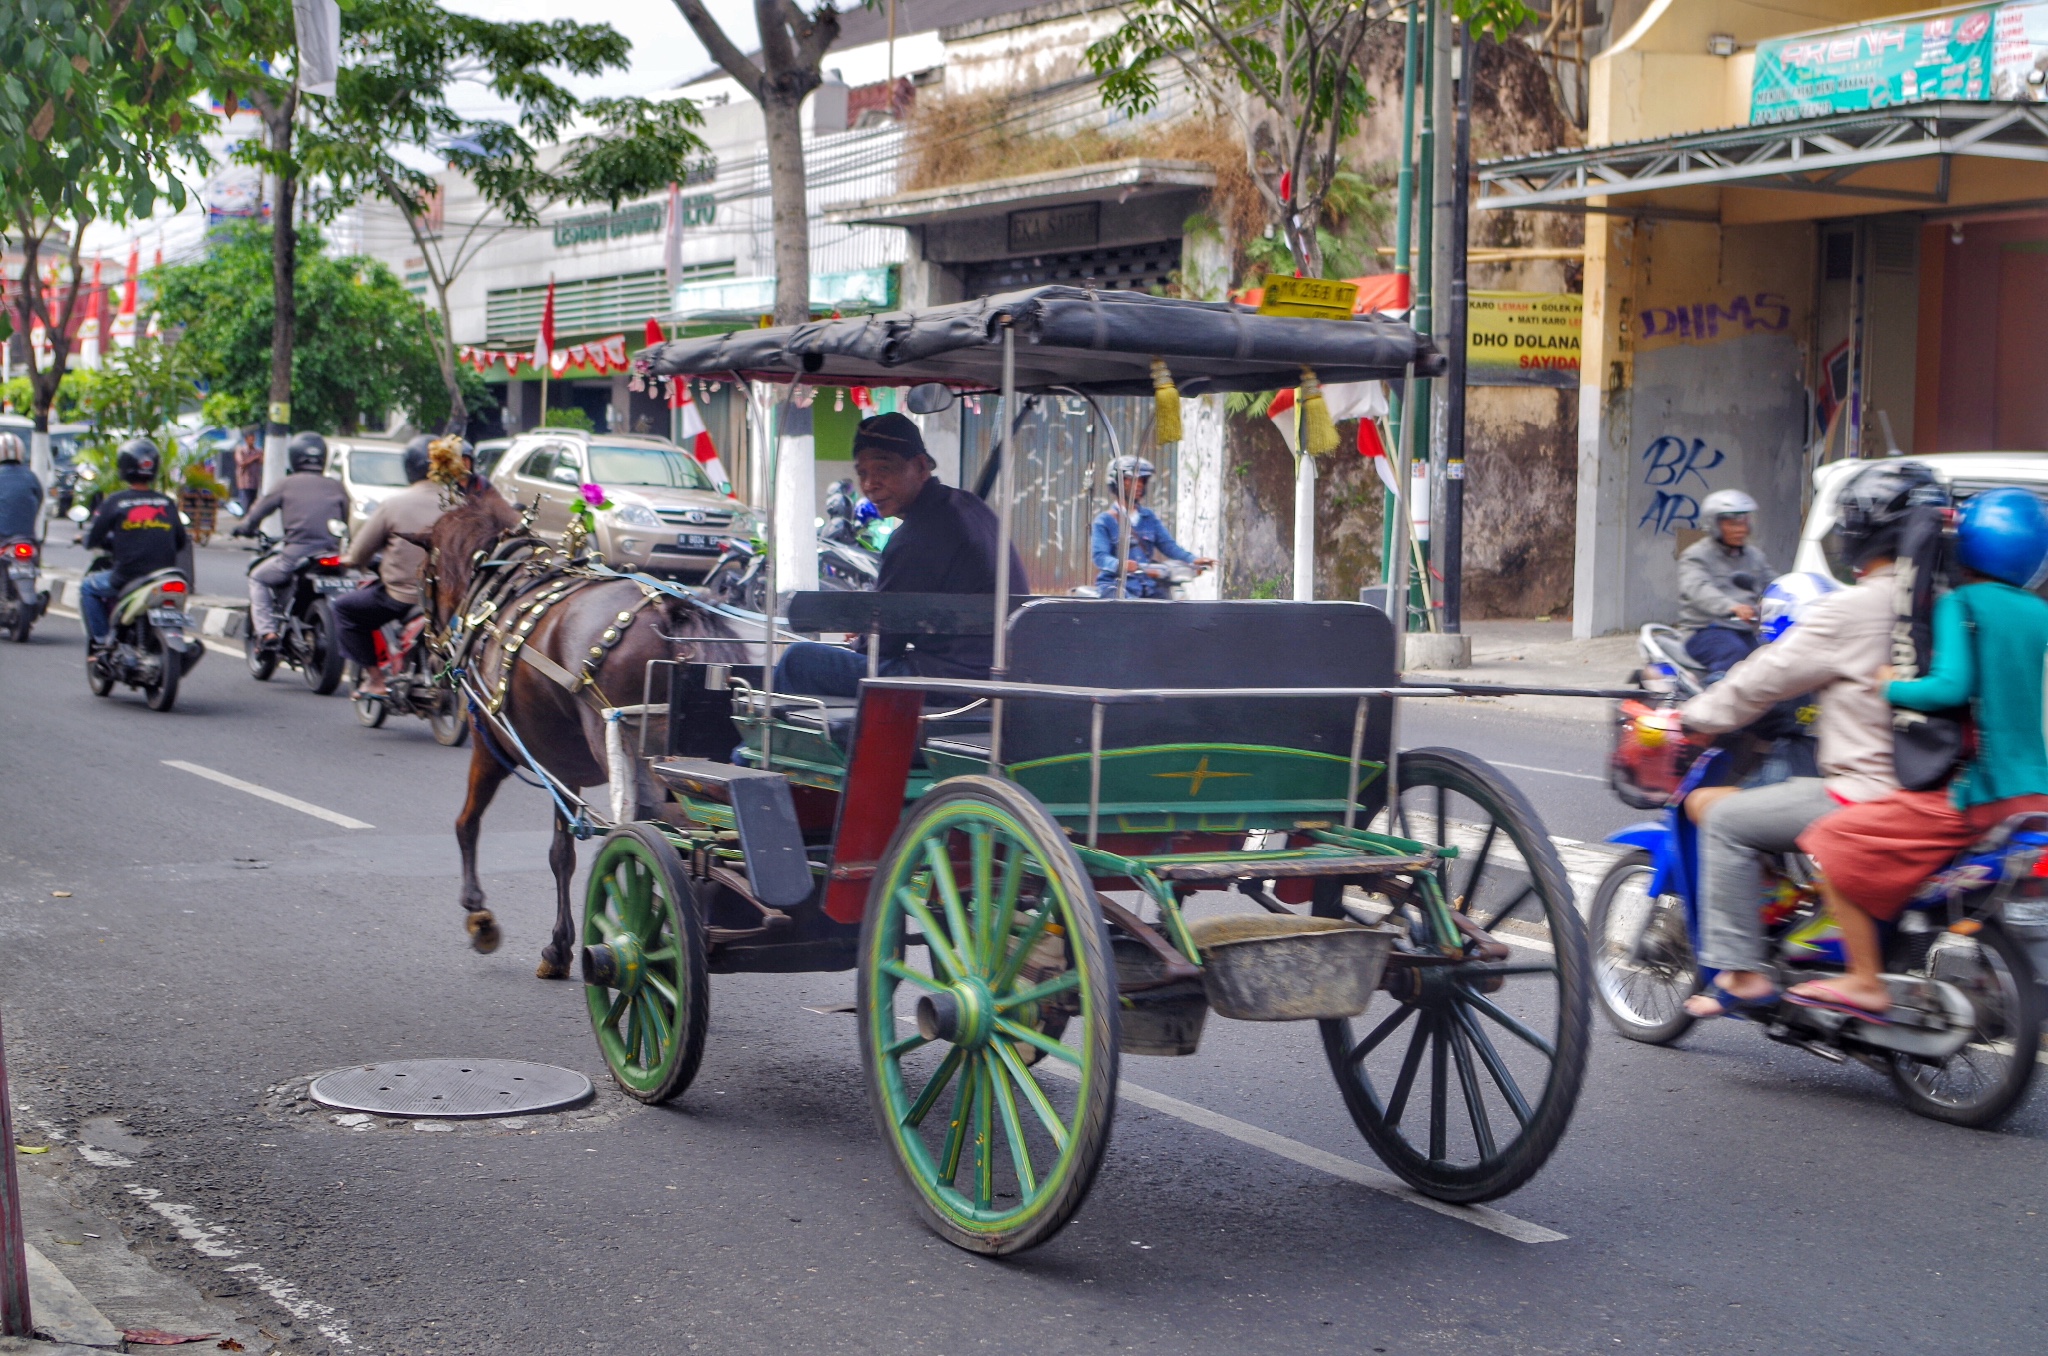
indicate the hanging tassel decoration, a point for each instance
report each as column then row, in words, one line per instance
column 1318, row 430
column 1165, row 404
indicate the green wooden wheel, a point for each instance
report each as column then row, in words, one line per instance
column 643, row 964
column 988, row 1016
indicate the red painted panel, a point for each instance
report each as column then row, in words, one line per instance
column 884, row 742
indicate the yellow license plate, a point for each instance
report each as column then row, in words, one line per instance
column 1316, row 298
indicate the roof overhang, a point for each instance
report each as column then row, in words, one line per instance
column 1893, row 159
column 1118, row 179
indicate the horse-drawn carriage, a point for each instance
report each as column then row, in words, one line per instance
column 1151, row 813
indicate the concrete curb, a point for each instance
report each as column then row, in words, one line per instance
column 60, row 1313
column 219, row 618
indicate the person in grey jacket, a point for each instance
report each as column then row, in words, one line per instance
column 309, row 501
column 1721, row 581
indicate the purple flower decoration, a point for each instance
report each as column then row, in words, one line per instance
column 593, row 495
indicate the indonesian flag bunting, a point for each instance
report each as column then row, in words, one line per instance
column 654, row 334
column 615, row 351
column 1365, row 401
column 1281, row 412
column 544, row 340
column 124, row 323
column 697, row 438
column 558, row 361
column 578, row 355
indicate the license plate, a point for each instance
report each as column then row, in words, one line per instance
column 27, row 572
column 331, row 585
column 699, row 541
column 167, row 618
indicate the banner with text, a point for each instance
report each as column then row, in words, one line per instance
column 1986, row 52
column 1523, row 338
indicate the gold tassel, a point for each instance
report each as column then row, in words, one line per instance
column 1165, row 404
column 1318, row 430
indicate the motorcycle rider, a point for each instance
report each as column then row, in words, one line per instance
column 396, row 590
column 1835, row 651
column 1721, row 579
column 1150, row 540
column 1989, row 639
column 310, row 499
column 21, row 494
column 139, row 527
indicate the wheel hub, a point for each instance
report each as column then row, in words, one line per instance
column 965, row 1014
column 617, row 964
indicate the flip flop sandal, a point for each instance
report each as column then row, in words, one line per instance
column 1732, row 1006
column 1839, row 1003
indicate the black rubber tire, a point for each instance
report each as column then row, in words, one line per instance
column 2021, row 1007
column 672, row 896
column 262, row 663
column 323, row 660
column 24, row 619
column 450, row 724
column 1455, row 1006
column 1087, row 940
column 163, row 694
column 370, row 711
column 96, row 678
column 1684, row 975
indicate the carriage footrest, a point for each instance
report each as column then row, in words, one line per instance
column 765, row 815
column 1219, row 868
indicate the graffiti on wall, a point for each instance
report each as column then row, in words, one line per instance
column 1704, row 322
column 1670, row 465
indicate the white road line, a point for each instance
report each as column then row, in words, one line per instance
column 1548, row 771
column 1484, row 1216
column 265, row 793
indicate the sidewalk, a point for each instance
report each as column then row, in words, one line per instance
column 1541, row 654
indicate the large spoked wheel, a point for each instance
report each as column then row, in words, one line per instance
column 1465, row 1087
column 1985, row 1081
column 1643, row 963
column 643, row 964
column 981, row 933
column 324, row 659
column 450, row 723
column 262, row 662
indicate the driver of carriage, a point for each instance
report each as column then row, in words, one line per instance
column 395, row 591
column 946, row 543
column 1835, row 650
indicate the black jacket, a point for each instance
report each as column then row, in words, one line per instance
column 141, row 530
column 308, row 499
column 945, row 544
column 21, row 496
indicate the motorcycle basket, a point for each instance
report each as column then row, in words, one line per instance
column 1652, row 753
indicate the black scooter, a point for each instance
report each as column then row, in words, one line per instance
column 306, row 637
column 849, row 556
column 21, row 602
column 152, row 648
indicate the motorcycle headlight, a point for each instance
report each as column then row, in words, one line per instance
column 635, row 515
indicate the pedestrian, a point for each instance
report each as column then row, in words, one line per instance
column 1721, row 579
column 248, row 469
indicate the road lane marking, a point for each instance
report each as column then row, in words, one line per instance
column 265, row 793
column 1548, row 771
column 1484, row 1216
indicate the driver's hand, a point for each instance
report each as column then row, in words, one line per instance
column 1203, row 562
column 1744, row 612
column 1154, row 572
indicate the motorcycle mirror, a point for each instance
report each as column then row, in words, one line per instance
column 336, row 527
column 235, row 509
column 77, row 513
column 929, row 398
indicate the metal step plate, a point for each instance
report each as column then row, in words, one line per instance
column 452, row 1089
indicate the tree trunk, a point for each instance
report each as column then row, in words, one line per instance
column 284, row 269
column 458, row 410
column 781, row 114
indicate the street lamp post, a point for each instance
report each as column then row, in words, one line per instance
column 1450, row 539
column 15, row 1320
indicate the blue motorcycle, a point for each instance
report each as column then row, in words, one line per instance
column 1963, row 1035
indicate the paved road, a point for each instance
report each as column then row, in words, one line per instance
column 1731, row 1196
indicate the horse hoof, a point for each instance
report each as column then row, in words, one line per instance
column 483, row 931
column 550, row 968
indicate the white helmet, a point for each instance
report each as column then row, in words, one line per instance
column 1726, row 504
column 10, row 447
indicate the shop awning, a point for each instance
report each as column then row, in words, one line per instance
column 1851, row 155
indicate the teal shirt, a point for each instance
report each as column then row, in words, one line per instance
column 2011, row 641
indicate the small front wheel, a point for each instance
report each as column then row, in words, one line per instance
column 1643, row 963
column 449, row 722
column 644, row 979
column 978, row 884
column 370, row 711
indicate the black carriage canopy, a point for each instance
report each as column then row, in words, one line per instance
column 1101, row 342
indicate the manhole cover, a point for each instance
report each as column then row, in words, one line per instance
column 455, row 1089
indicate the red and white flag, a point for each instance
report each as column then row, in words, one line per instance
column 124, row 323
column 697, row 438
column 544, row 340
column 1365, row 401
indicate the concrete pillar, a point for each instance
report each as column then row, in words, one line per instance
column 796, row 503
column 1198, row 488
column 1599, row 595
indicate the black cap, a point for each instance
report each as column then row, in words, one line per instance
column 889, row 433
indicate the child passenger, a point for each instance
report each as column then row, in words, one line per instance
column 1990, row 642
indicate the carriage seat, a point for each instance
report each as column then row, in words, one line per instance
column 833, row 717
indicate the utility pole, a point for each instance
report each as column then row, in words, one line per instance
column 1450, row 539
column 15, row 1320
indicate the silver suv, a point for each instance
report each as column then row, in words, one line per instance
column 665, row 516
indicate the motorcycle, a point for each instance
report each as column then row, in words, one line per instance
column 306, row 636
column 1961, row 1039
column 151, row 649
column 414, row 685
column 21, row 602
column 849, row 554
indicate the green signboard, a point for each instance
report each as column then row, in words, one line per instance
column 1897, row 61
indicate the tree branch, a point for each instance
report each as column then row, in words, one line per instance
column 729, row 57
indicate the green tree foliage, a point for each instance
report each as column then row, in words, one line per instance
column 96, row 115
column 362, row 345
column 1287, row 70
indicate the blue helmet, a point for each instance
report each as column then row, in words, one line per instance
column 865, row 511
column 1790, row 597
column 2004, row 534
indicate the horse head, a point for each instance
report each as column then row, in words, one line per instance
column 458, row 536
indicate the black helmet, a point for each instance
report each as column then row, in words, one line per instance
column 419, row 456
column 138, row 460
column 306, row 452
column 1875, row 503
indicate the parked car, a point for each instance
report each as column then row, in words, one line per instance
column 665, row 518
column 488, row 453
column 1965, row 473
column 371, row 470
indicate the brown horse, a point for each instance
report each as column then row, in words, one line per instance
column 561, row 729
